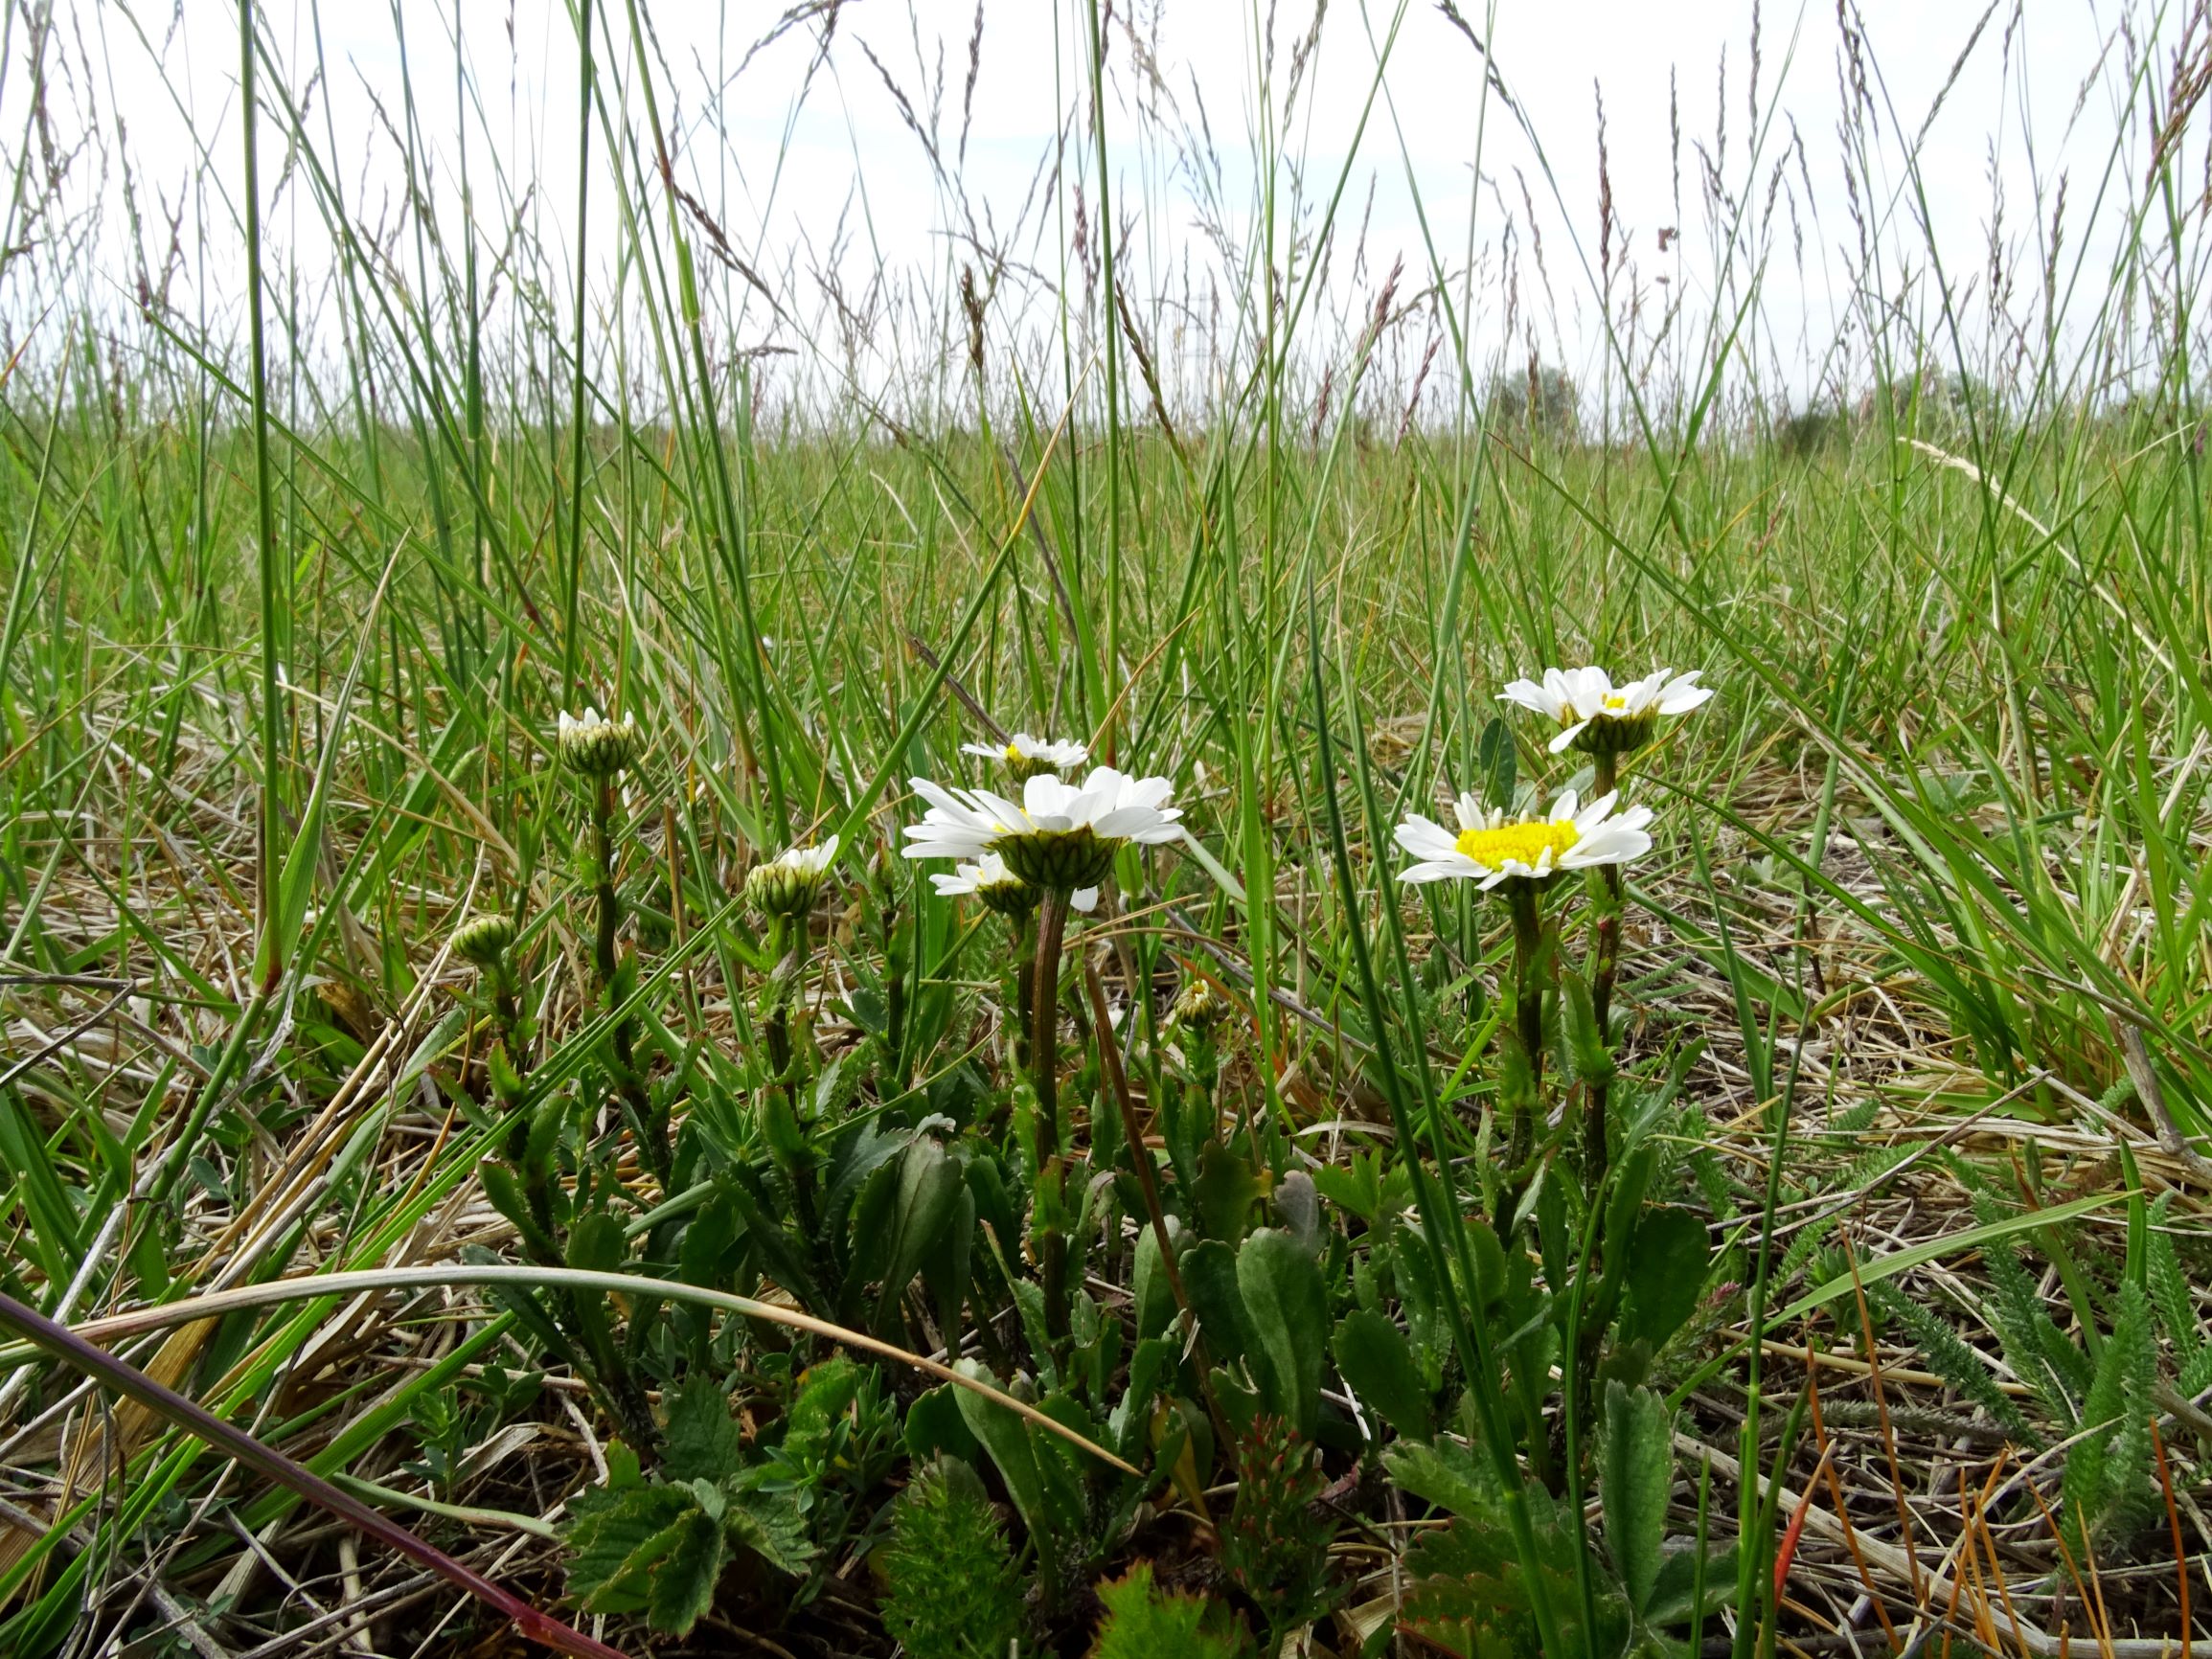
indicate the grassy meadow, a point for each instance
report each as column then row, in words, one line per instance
column 462, row 1194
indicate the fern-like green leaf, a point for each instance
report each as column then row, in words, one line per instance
column 1143, row 1624
column 1950, row 1357
column 951, row 1591
column 2109, row 1467
column 2170, row 1288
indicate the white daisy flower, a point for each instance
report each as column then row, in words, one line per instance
column 1062, row 837
column 989, row 880
column 786, row 884
column 1025, row 756
column 1598, row 716
column 594, row 744
column 1492, row 847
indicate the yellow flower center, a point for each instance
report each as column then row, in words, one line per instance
column 1523, row 844
column 1014, row 753
column 1615, row 703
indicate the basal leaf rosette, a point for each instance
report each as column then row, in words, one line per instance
column 1060, row 837
column 1492, row 847
column 1025, row 756
column 1599, row 717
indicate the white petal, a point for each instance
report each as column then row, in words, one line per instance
column 1472, row 814
column 1426, row 838
column 1559, row 744
column 1610, row 844
column 1588, row 690
column 1045, row 796
column 937, row 797
column 1121, row 823
column 1084, row 898
column 1537, row 699
column 1462, row 869
column 1590, row 817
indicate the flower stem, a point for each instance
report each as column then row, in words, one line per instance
column 1044, row 1073
column 1024, row 987
column 1148, row 1182
column 1524, row 899
column 789, row 1140
column 1044, row 1016
column 647, row 1129
column 1605, row 964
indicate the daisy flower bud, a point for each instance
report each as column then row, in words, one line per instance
column 1599, row 717
column 787, row 884
column 595, row 746
column 484, row 939
column 1200, row 1008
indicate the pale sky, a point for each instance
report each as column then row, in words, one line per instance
column 820, row 172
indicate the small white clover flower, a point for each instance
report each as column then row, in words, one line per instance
column 1026, row 757
column 1492, row 848
column 1060, row 838
column 1601, row 717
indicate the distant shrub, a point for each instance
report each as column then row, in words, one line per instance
column 1543, row 400
column 1808, row 432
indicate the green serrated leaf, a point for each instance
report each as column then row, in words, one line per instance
column 614, row 1534
column 1226, row 1194
column 1635, row 1474
column 683, row 1579
column 769, row 1524
column 1142, row 1623
column 1446, row 1474
column 1666, row 1274
column 1375, row 1358
column 1209, row 1280
column 704, row 1441
column 1288, row 1308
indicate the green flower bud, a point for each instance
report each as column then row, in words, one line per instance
column 1013, row 900
column 1058, row 860
column 1605, row 735
column 484, row 939
column 787, row 884
column 595, row 746
column 1200, row 1008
